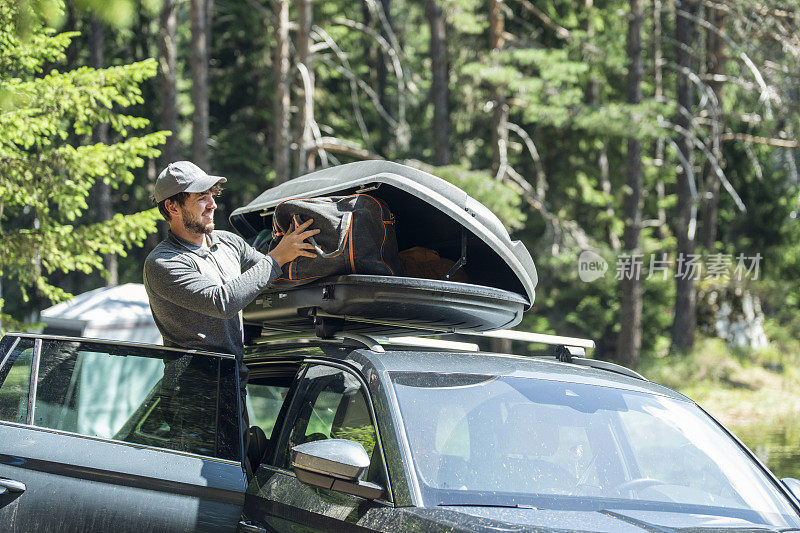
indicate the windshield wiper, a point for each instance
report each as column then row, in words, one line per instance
column 638, row 523
column 504, row 505
column 664, row 529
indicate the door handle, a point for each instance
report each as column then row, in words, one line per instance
column 247, row 526
column 12, row 486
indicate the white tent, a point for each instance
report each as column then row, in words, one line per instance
column 120, row 313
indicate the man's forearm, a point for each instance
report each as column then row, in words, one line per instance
column 184, row 286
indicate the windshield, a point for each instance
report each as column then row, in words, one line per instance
column 489, row 440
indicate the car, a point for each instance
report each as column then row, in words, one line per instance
column 350, row 427
column 353, row 436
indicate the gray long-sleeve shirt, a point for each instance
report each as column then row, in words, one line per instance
column 196, row 293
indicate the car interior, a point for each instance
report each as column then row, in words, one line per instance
column 267, row 388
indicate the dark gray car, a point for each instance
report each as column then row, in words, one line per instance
column 350, row 438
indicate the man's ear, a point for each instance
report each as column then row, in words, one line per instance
column 172, row 207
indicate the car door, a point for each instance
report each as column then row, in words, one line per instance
column 103, row 436
column 330, row 402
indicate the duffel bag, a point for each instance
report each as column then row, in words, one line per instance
column 356, row 237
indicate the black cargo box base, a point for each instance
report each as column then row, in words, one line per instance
column 382, row 305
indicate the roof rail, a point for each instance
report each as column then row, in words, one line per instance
column 565, row 349
column 575, row 346
column 364, row 340
column 427, row 342
column 605, row 365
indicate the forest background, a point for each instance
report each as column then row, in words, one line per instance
column 655, row 137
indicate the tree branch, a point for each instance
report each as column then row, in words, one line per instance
column 322, row 34
column 767, row 93
column 310, row 125
column 392, row 49
column 373, row 96
column 744, row 137
column 345, row 147
column 541, row 183
column 772, row 12
column 560, row 31
column 711, row 159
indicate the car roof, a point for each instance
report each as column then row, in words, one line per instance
column 426, row 360
column 537, row 367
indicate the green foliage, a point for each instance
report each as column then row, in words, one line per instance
column 467, row 15
column 46, row 172
column 566, row 94
column 118, row 13
column 571, row 306
column 239, row 100
column 500, row 198
column 364, row 435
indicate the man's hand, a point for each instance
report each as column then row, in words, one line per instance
column 294, row 244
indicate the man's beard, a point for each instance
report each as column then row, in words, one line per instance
column 194, row 225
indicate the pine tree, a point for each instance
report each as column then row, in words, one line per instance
column 45, row 177
column 630, row 336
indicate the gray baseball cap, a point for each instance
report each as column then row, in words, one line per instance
column 183, row 176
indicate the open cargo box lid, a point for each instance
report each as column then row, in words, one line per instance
column 429, row 212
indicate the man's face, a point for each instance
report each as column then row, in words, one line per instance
column 197, row 212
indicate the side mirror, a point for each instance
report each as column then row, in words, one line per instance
column 793, row 485
column 334, row 464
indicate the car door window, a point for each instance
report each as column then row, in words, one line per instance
column 90, row 392
column 264, row 402
column 127, row 393
column 15, row 379
column 333, row 405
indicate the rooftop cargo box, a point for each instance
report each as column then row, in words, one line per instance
column 430, row 213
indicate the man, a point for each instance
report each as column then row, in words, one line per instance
column 199, row 279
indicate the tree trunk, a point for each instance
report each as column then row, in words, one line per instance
column 715, row 65
column 499, row 108
column 384, row 143
column 592, row 97
column 499, row 118
column 685, row 316
column 658, row 93
column 440, row 92
column 209, row 26
column 305, row 137
column 168, row 89
column 102, row 190
column 630, row 335
column 373, row 52
column 281, row 162
column 199, row 67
